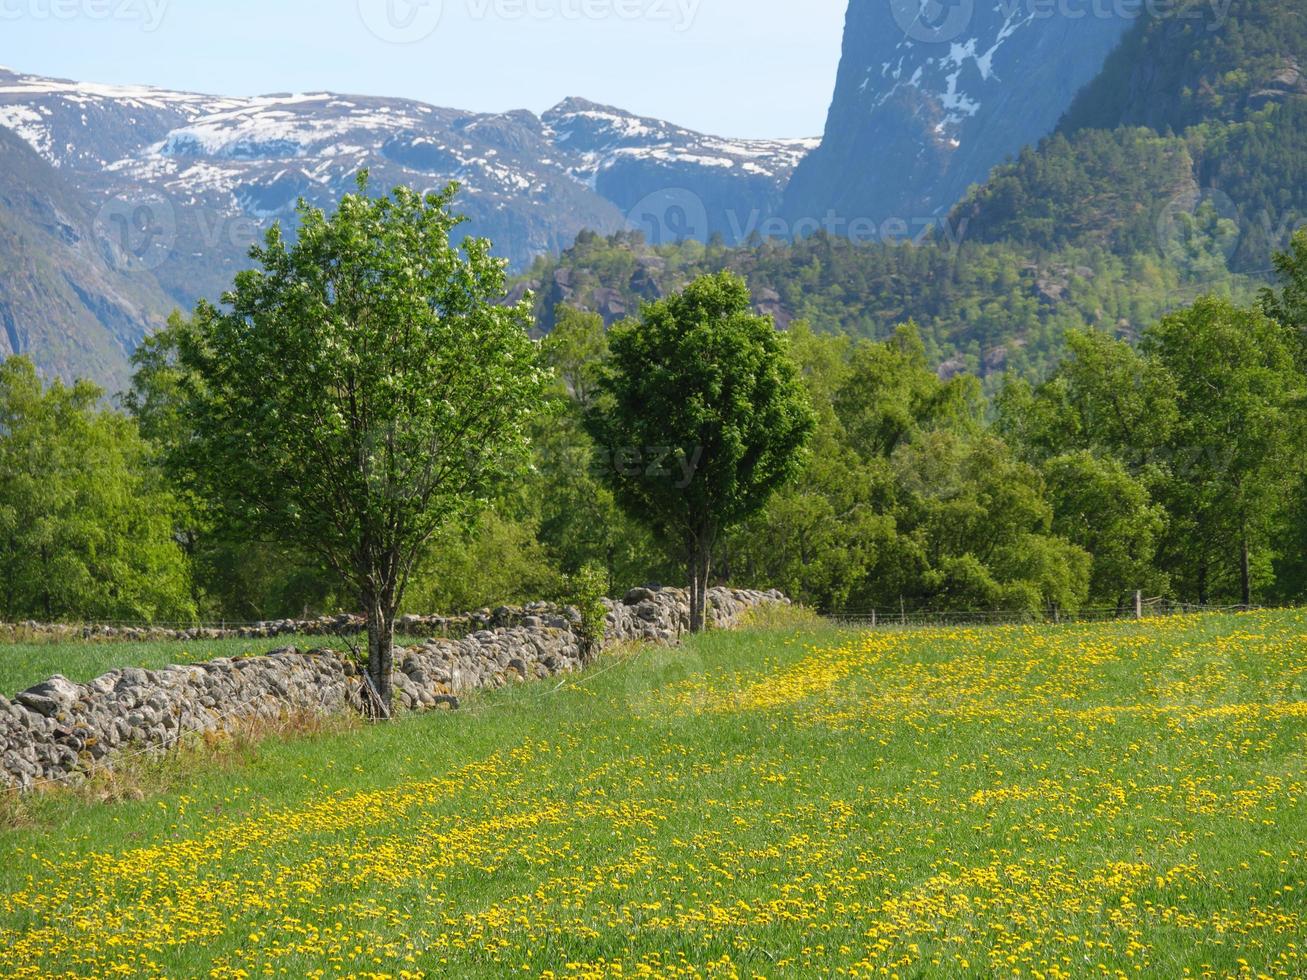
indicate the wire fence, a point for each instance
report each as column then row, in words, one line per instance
column 1138, row 610
column 337, row 626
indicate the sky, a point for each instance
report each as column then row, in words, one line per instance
column 751, row 68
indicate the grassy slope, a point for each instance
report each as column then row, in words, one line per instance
column 1122, row 800
column 25, row 664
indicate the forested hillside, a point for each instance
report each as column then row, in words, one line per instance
column 1191, row 144
column 983, row 308
column 1180, row 170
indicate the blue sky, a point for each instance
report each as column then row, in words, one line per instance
column 732, row 67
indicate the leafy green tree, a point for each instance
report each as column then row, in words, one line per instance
column 1106, row 398
column 1288, row 304
column 819, row 538
column 983, row 523
column 576, row 350
column 703, row 418
column 365, row 391
column 235, row 577
column 890, row 394
column 1236, row 448
column 85, row 522
column 499, row 560
column 1100, row 507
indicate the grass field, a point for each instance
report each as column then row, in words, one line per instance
column 1121, row 800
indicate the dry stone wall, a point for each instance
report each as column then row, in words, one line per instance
column 61, row 732
column 322, row 626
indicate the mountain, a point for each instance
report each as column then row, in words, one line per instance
column 673, row 183
column 1190, row 144
column 931, row 96
column 1178, row 169
column 177, row 186
column 64, row 296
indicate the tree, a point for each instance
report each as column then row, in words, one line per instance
column 703, row 416
column 234, row 577
column 85, row 521
column 983, row 523
column 364, row 392
column 576, row 349
column 1235, row 448
column 1289, row 304
column 1107, row 512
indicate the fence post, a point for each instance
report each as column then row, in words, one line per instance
column 873, row 619
column 1139, row 605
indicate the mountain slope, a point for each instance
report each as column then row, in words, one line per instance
column 172, row 188
column 923, row 107
column 228, row 167
column 1179, row 171
column 673, row 183
column 1191, row 144
column 64, row 299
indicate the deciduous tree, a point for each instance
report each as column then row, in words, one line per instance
column 702, row 416
column 365, row 389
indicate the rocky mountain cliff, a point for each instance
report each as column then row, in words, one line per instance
column 63, row 295
column 931, row 96
column 1190, row 144
column 170, row 189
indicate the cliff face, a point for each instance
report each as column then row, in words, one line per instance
column 931, row 96
column 64, row 299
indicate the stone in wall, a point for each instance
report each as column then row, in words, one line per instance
column 60, row 731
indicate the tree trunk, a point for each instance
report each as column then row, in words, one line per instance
column 692, row 566
column 700, row 562
column 1245, row 570
column 381, row 653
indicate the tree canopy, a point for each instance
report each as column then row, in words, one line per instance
column 702, row 417
column 364, row 390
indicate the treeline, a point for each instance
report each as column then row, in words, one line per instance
column 983, row 306
column 1172, row 466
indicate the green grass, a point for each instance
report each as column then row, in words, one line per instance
column 1122, row 800
column 25, row 664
